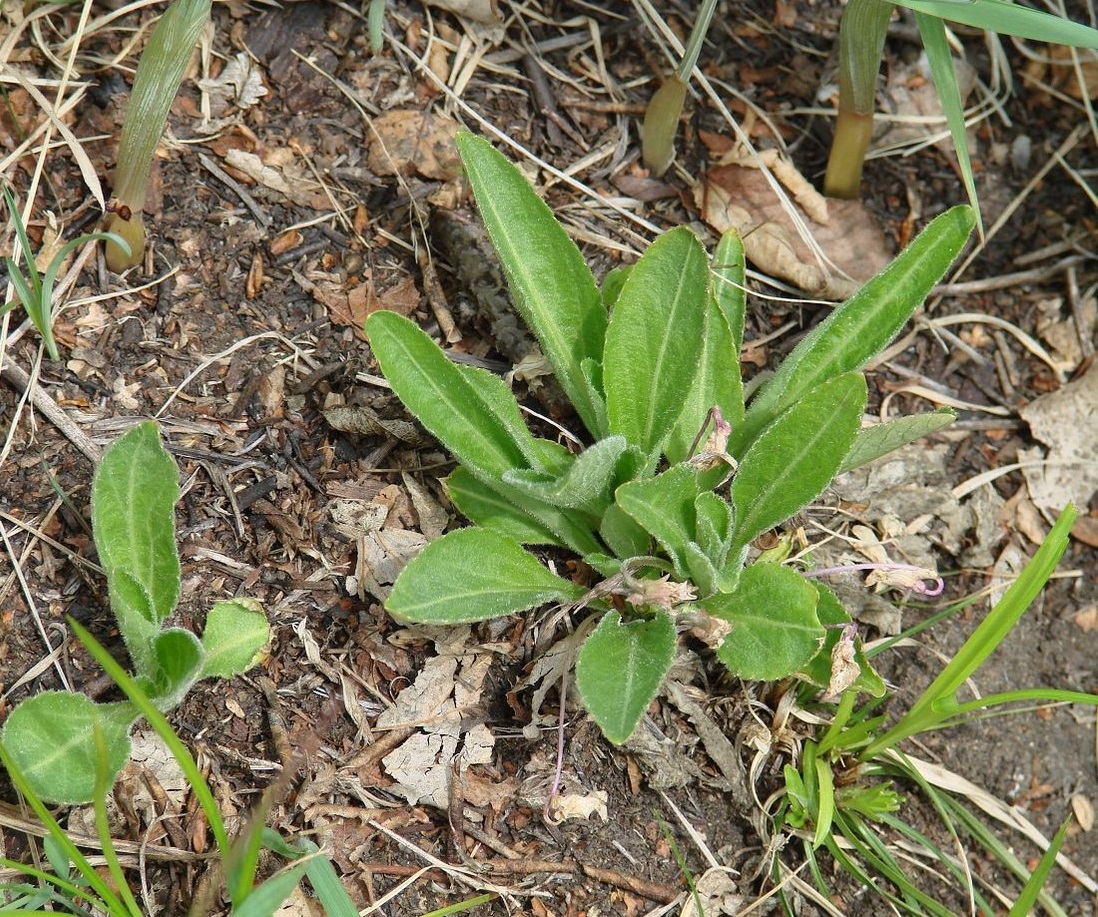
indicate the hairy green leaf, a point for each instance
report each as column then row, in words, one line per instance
column 863, row 326
column 178, row 655
column 718, row 383
column 834, row 618
column 485, row 506
column 873, row 442
column 440, row 395
column 236, row 632
column 51, row 740
column 553, row 289
column 775, row 630
column 794, row 459
column 654, row 340
column 621, row 667
column 585, row 486
column 622, row 534
column 664, row 507
column 471, row 575
column 134, row 492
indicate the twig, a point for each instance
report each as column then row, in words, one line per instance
column 52, row 411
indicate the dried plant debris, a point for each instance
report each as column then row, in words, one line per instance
column 1066, row 421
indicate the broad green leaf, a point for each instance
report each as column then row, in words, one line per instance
column 178, row 656
column 794, row 459
column 235, row 634
column 834, row 617
column 775, row 630
column 622, row 534
column 136, row 615
column 442, row 398
column 933, row 33
column 553, row 289
column 585, row 486
column 51, row 740
column 552, row 456
column 663, row 506
column 863, row 326
column 654, row 340
column 873, row 442
column 702, row 570
column 621, row 667
column 481, row 504
column 471, row 575
column 134, row 493
column 1008, row 19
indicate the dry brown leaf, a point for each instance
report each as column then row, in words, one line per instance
column 483, row 11
column 1087, row 619
column 1066, row 421
column 414, row 142
column 737, row 197
column 1063, row 74
column 273, row 173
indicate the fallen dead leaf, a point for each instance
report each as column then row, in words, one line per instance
column 298, row 188
column 737, row 197
column 483, row 11
column 1087, row 619
column 1066, row 421
column 239, row 84
column 412, row 141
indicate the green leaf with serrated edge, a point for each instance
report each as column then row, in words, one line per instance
column 1009, row 19
column 623, row 534
column 179, row 656
column 484, row 506
column 585, row 486
column 775, row 630
column 472, row 575
column 880, row 439
column 794, row 459
column 552, row 287
column 654, row 340
column 942, row 70
column 134, row 492
column 235, row 634
column 718, row 382
column 663, row 505
column 863, row 326
column 833, row 616
column 441, row 397
column 621, row 667
column 51, row 740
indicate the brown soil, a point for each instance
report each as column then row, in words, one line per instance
column 244, row 328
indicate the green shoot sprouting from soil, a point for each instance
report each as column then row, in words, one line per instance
column 159, row 74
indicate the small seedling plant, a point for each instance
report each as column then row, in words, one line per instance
column 34, row 292
column 678, row 476
column 58, row 739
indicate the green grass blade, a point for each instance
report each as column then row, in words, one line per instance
column 1008, row 19
column 933, row 706
column 932, row 30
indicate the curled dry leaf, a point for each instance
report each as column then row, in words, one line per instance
column 734, row 196
column 414, row 142
column 485, row 12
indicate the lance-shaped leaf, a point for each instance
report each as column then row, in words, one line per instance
column 1009, row 19
column 553, row 289
column 654, row 341
column 484, row 506
column 440, row 395
column 863, row 326
column 471, row 575
column 718, row 383
column 621, row 667
column 775, row 630
column 134, row 493
column 179, row 656
column 880, row 439
column 796, row 457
